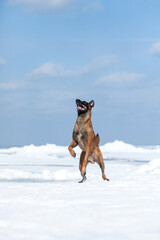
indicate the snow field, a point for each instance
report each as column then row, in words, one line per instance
column 41, row 198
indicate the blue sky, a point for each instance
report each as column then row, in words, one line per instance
column 54, row 51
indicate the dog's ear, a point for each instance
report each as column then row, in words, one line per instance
column 91, row 103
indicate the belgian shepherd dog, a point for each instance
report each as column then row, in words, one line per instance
column 84, row 136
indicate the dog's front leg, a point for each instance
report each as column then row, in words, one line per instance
column 71, row 146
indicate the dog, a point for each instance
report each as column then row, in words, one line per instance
column 84, row 136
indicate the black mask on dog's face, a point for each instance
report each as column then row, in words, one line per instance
column 83, row 106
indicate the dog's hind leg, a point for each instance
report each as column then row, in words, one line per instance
column 81, row 160
column 100, row 162
column 80, row 165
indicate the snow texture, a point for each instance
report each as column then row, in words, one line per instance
column 41, row 198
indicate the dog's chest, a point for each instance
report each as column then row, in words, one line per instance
column 81, row 136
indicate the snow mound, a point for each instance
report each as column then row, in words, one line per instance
column 120, row 146
column 45, row 175
column 60, row 154
column 48, row 150
column 62, row 151
column 152, row 167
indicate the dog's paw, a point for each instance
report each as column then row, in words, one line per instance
column 83, row 179
column 105, row 178
column 73, row 154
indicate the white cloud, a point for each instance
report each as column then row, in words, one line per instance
column 155, row 49
column 96, row 6
column 2, row 61
column 50, row 69
column 11, row 85
column 122, row 77
column 45, row 5
column 54, row 70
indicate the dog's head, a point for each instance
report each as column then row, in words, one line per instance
column 83, row 106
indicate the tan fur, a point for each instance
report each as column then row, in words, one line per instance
column 84, row 136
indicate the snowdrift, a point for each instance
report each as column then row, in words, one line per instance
column 117, row 150
column 152, row 167
column 52, row 150
column 45, row 175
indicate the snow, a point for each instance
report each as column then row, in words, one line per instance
column 152, row 167
column 41, row 199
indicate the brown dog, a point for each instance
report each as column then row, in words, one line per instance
column 84, row 136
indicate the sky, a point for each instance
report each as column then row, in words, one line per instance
column 55, row 51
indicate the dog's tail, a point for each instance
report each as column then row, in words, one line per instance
column 97, row 140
